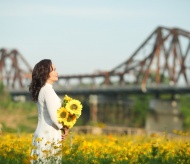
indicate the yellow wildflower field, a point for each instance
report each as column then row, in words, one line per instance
column 102, row 149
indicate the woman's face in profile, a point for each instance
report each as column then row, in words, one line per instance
column 53, row 75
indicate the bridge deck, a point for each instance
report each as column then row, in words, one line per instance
column 106, row 90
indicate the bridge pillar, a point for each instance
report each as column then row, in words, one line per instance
column 110, row 109
column 164, row 115
column 93, row 99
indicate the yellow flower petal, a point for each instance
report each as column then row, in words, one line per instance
column 67, row 98
column 74, row 107
column 71, row 120
column 62, row 114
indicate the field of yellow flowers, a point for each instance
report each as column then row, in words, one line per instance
column 104, row 149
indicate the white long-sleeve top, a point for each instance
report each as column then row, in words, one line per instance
column 48, row 128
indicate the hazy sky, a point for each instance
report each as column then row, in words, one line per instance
column 82, row 36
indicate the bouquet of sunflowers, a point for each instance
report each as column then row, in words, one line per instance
column 69, row 112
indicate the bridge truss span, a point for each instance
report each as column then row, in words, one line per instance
column 163, row 59
column 15, row 71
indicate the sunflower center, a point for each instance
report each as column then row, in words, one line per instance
column 69, row 118
column 74, row 107
column 63, row 114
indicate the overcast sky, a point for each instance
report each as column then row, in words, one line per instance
column 83, row 36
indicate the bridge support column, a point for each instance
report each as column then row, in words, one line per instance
column 164, row 115
column 93, row 108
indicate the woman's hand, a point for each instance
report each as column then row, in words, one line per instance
column 65, row 131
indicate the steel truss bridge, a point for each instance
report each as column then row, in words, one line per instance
column 161, row 64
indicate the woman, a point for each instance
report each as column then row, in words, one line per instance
column 47, row 136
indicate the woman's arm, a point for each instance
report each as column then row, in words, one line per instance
column 53, row 103
column 65, row 131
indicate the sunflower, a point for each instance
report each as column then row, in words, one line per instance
column 70, row 121
column 62, row 114
column 78, row 114
column 74, row 107
column 67, row 98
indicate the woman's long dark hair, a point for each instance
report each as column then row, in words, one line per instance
column 40, row 74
